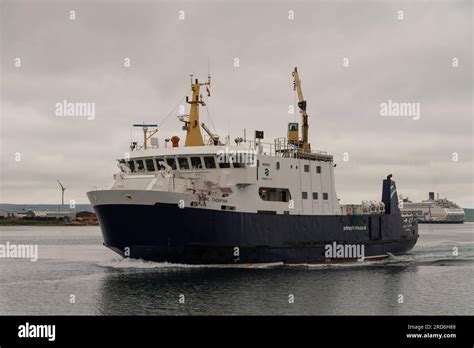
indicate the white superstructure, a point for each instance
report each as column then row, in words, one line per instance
column 237, row 178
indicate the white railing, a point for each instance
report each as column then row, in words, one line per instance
column 281, row 148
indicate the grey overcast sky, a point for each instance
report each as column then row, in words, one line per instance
column 82, row 60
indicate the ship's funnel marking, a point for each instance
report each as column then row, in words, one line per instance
column 393, row 190
column 390, row 196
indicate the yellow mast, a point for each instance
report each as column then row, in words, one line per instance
column 193, row 126
column 302, row 105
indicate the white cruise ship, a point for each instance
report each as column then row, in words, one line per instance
column 433, row 210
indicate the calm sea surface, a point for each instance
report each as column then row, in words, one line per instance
column 72, row 261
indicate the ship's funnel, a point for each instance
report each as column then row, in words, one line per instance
column 389, row 196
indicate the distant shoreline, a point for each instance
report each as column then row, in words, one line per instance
column 20, row 222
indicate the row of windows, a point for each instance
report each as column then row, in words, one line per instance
column 194, row 162
column 315, row 195
column 182, row 163
column 274, row 194
column 306, row 167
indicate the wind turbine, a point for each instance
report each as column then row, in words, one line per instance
column 62, row 194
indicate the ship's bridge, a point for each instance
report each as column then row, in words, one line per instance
column 189, row 158
column 214, row 156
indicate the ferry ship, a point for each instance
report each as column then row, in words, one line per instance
column 208, row 202
column 433, row 210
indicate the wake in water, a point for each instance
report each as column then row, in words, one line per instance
column 143, row 264
column 423, row 256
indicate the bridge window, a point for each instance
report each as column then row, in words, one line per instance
column 274, row 194
column 278, row 165
column 158, row 165
column 131, row 165
column 140, row 165
column 239, row 159
column 224, row 161
column 210, row 162
column 318, row 169
column 238, row 164
column 196, row 163
column 315, row 195
column 183, row 163
column 304, row 195
column 224, row 165
column 149, row 165
column 306, row 167
column 171, row 162
column 325, row 196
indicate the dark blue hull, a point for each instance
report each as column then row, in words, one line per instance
column 164, row 232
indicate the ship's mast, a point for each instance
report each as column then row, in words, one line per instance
column 302, row 105
column 193, row 126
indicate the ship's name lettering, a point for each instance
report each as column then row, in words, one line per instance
column 355, row 228
column 219, row 200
